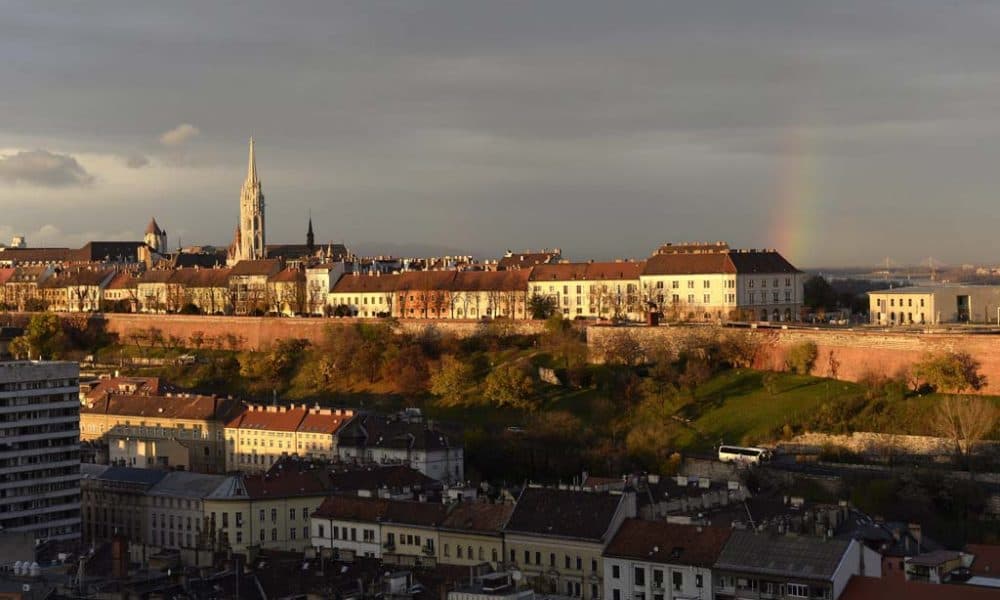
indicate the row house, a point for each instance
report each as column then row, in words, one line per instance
column 157, row 430
column 706, row 282
column 248, row 285
column 656, row 560
column 591, row 290
column 207, row 289
column 472, row 534
column 405, row 440
column 180, row 510
column 121, row 294
column 557, row 538
column 287, row 293
column 398, row 532
column 435, row 294
column 21, row 288
column 261, row 435
column 320, row 280
column 76, row 290
column 762, row 565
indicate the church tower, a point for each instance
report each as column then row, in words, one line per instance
column 251, row 229
column 155, row 237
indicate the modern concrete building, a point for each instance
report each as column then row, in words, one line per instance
column 40, row 449
column 931, row 305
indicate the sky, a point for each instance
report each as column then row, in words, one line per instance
column 839, row 133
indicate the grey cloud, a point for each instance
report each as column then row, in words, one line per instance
column 495, row 124
column 136, row 161
column 179, row 135
column 43, row 168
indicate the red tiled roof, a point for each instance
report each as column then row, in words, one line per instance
column 285, row 484
column 689, row 264
column 594, row 271
column 269, row 418
column 886, row 588
column 288, row 276
column 121, row 281
column 365, row 510
column 196, row 277
column 324, row 421
column 265, row 266
column 668, row 543
column 478, row 516
column 180, row 406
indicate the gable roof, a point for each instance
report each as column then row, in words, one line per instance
column 760, row 261
column 588, row 271
column 770, row 554
column 668, row 543
column 263, row 266
column 689, row 263
column 179, row 406
column 478, row 516
column 564, row 513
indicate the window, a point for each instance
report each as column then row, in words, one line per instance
column 291, row 514
column 291, row 533
column 690, row 284
column 616, row 595
column 797, row 590
column 274, row 515
column 262, row 536
column 538, row 556
column 593, row 565
column 706, row 284
column 698, row 581
column 674, row 284
column 690, row 298
column 678, row 580
column 706, row 299
column 305, row 513
column 552, row 559
column 527, row 557
column 640, row 576
column 239, row 537
column 321, row 531
column 239, row 519
column 262, row 515
column 579, row 563
column 616, row 572
column 225, row 520
column 274, row 534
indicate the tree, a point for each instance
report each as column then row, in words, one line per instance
column 272, row 370
column 541, row 307
column 450, row 380
column 43, row 337
column 965, row 421
column 801, row 357
column 509, row 385
column 818, row 294
column 954, row 372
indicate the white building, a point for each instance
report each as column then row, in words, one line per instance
column 350, row 525
column 404, row 440
column 712, row 282
column 592, row 289
column 40, row 449
column 930, row 305
column 656, row 560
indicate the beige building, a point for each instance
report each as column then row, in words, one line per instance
column 260, row 435
column 146, row 427
column 248, row 284
column 266, row 511
column 472, row 534
column 592, row 290
column 931, row 305
column 557, row 538
column 712, row 282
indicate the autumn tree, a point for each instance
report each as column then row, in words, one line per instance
column 508, row 385
column 43, row 338
column 954, row 372
column 450, row 380
column 801, row 357
column 622, row 348
column 541, row 306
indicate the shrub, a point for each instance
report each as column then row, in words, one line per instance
column 801, row 357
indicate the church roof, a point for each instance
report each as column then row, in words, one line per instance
column 153, row 228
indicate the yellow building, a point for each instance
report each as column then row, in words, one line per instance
column 145, row 425
column 261, row 435
column 556, row 538
column 472, row 534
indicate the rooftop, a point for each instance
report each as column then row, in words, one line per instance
column 564, row 513
column 769, row 554
column 668, row 543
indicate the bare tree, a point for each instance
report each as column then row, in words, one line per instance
column 965, row 420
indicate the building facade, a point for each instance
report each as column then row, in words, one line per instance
column 261, row 435
column 932, row 305
column 40, row 449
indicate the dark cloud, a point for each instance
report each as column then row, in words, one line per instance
column 43, row 168
column 487, row 125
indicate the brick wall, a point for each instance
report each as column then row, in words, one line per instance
column 857, row 352
column 258, row 332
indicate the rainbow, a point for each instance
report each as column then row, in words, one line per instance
column 794, row 229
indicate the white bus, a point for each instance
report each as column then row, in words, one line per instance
column 743, row 454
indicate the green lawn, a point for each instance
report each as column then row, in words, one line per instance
column 735, row 408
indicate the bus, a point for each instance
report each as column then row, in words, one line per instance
column 743, row 454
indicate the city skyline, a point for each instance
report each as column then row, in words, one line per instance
column 837, row 135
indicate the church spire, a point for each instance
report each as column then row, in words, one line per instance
column 310, row 239
column 252, row 167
